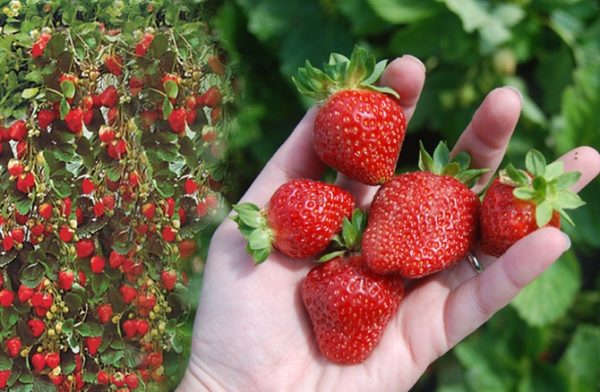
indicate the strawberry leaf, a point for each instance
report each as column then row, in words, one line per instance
column 64, row 108
column 171, row 89
column 569, row 199
column 543, row 213
column 535, row 163
column 68, row 89
column 331, row 256
column 349, row 233
column 554, row 170
column 567, row 180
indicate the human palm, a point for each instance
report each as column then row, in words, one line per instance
column 252, row 332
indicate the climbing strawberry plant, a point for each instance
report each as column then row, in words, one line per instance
column 110, row 165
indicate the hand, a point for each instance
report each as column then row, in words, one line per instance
column 251, row 330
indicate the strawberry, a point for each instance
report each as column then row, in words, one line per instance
column 519, row 202
column 17, row 130
column 97, row 264
column 21, row 149
column 168, row 279
column 45, row 210
column 349, row 307
column 132, row 381
column 148, row 210
column 87, row 186
column 115, row 260
column 211, row 98
column 135, row 85
column 300, row 220
column 38, row 360
column 25, row 182
column 424, row 222
column 8, row 243
column 52, row 359
column 142, row 327
column 74, row 120
column 36, row 326
column 130, row 328
column 201, row 209
column 15, row 167
column 147, row 301
column 40, row 45
column 177, row 120
column 144, row 44
column 109, row 97
column 168, row 233
column 117, row 149
column 4, row 376
column 109, row 202
column 99, row 209
column 7, row 298
column 155, row 359
column 114, row 64
column 18, row 235
column 24, row 293
column 45, row 117
column 93, row 343
column 66, row 279
column 186, row 248
column 13, row 346
column 112, row 116
column 65, row 233
column 360, row 127
column 128, row 293
column 106, row 134
column 102, row 377
column 104, row 313
column 84, row 247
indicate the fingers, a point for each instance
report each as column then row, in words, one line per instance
column 487, row 136
column 296, row 158
column 477, row 299
column 585, row 160
column 406, row 75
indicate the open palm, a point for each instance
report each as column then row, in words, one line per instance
column 251, row 330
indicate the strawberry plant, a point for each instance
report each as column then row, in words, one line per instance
column 107, row 177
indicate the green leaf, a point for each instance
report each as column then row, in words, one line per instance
column 89, row 329
column 171, row 89
column 567, row 180
column 554, row 170
column 167, row 107
column 535, row 162
column 250, row 214
column 112, row 357
column 68, row 89
column 100, row 283
column 349, row 233
column 425, row 160
column 330, row 256
column 463, row 159
column 581, row 360
column 441, row 156
column 524, row 193
column 569, row 199
column 540, row 303
column 64, row 108
column 543, row 213
column 405, row 11
column 32, row 275
column 30, row 92
column 259, row 239
column 24, row 205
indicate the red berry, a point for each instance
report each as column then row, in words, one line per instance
column 66, row 204
column 24, row 293
column 190, row 186
column 155, row 359
column 168, row 234
column 142, row 327
column 66, row 279
column 15, row 167
column 109, row 97
column 93, row 343
column 177, row 120
column 117, row 149
column 128, row 293
column 4, row 376
column 104, row 313
column 148, row 210
column 88, row 117
column 109, row 202
column 106, row 134
column 7, row 298
column 87, row 186
column 74, row 120
column 147, row 301
column 21, row 149
column 211, row 201
column 38, row 360
column 45, row 211
column 65, row 233
column 112, row 116
column 84, row 247
column 18, row 235
column 18, row 130
column 115, row 260
column 130, row 328
column 114, row 64
column 135, row 85
column 144, row 44
column 40, row 45
column 36, row 326
column 13, row 346
column 169, row 207
column 97, row 264
column 134, row 179
column 25, row 182
column 52, row 359
column 102, row 378
column 132, row 380
column 211, row 98
column 82, row 278
column 88, row 102
column 168, row 279
column 201, row 209
column 149, row 117
column 99, row 209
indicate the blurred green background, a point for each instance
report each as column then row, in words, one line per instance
column 549, row 338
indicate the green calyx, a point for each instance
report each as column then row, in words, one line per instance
column 350, row 237
column 252, row 223
column 360, row 71
column 548, row 186
column 457, row 167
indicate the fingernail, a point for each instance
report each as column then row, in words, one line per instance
column 415, row 60
column 567, row 241
column 516, row 91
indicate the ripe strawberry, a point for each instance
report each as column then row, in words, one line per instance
column 212, row 202
column 36, row 326
column 186, row 248
column 15, row 167
column 117, row 149
column 424, row 222
column 201, row 209
column 21, row 149
column 97, row 264
column 360, row 127
column 190, row 186
column 93, row 343
column 45, row 211
column 74, row 120
column 519, row 202
column 144, row 44
column 149, row 117
column 66, row 279
column 148, row 210
column 128, row 293
column 300, row 220
column 112, row 116
column 25, row 182
column 8, row 243
column 102, row 377
column 4, row 376
column 13, row 346
column 40, row 45
column 84, row 247
column 169, row 206
column 87, row 186
column 135, row 85
column 115, row 260
column 132, row 381
column 65, row 233
column 142, row 327
column 24, row 293
column 109, row 202
column 52, row 359
column 114, row 64
column 45, row 117
column 168, row 279
column 211, row 98
column 17, row 130
column 18, row 235
column 177, row 120
column 106, row 134
column 168, row 234
column 130, row 328
column 109, row 97
column 99, row 209
column 38, row 360
column 104, row 313
column 7, row 298
column 155, row 359
column 147, row 300
column 349, row 307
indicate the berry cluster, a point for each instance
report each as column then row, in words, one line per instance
column 419, row 223
column 105, row 184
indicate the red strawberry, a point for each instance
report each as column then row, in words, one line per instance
column 135, row 85
column 130, row 328
column 38, row 360
column 45, row 210
column 8, row 243
column 65, row 233
column 87, row 186
column 300, row 220
column 93, row 343
column 349, row 307
column 190, row 186
column 88, row 102
column 74, row 120
column 45, row 117
column 4, row 376
column 104, row 312
column 24, row 293
column 215, row 65
column 84, row 247
column 15, row 167
column 168, row 279
column 7, row 298
column 169, row 207
column 17, row 130
column 18, row 235
column 66, row 279
column 52, row 359
column 128, row 293
column 21, row 149
column 186, row 249
column 25, row 182
column 149, row 117
column 148, row 210
column 423, row 222
column 40, row 45
column 102, row 378
column 117, row 149
column 360, row 127
column 97, row 264
column 112, row 116
column 201, row 209
column 115, row 260
column 114, row 64
column 81, row 277
column 109, row 202
column 168, row 234
column 155, row 359
column 142, row 327
column 99, row 209
column 147, row 301
column 519, row 202
column 13, row 346
column 211, row 98
column 36, row 326
column 109, row 97
column 144, row 44
column 132, row 381
column 106, row 134
column 177, row 120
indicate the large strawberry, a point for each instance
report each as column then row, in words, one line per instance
column 519, row 202
column 349, row 306
column 300, row 220
column 360, row 127
column 424, row 222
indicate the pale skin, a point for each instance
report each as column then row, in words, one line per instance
column 252, row 332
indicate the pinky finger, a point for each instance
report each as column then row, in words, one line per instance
column 474, row 301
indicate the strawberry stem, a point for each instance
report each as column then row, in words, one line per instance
column 349, row 239
column 253, row 225
column 441, row 164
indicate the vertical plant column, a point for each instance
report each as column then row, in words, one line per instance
column 105, row 183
